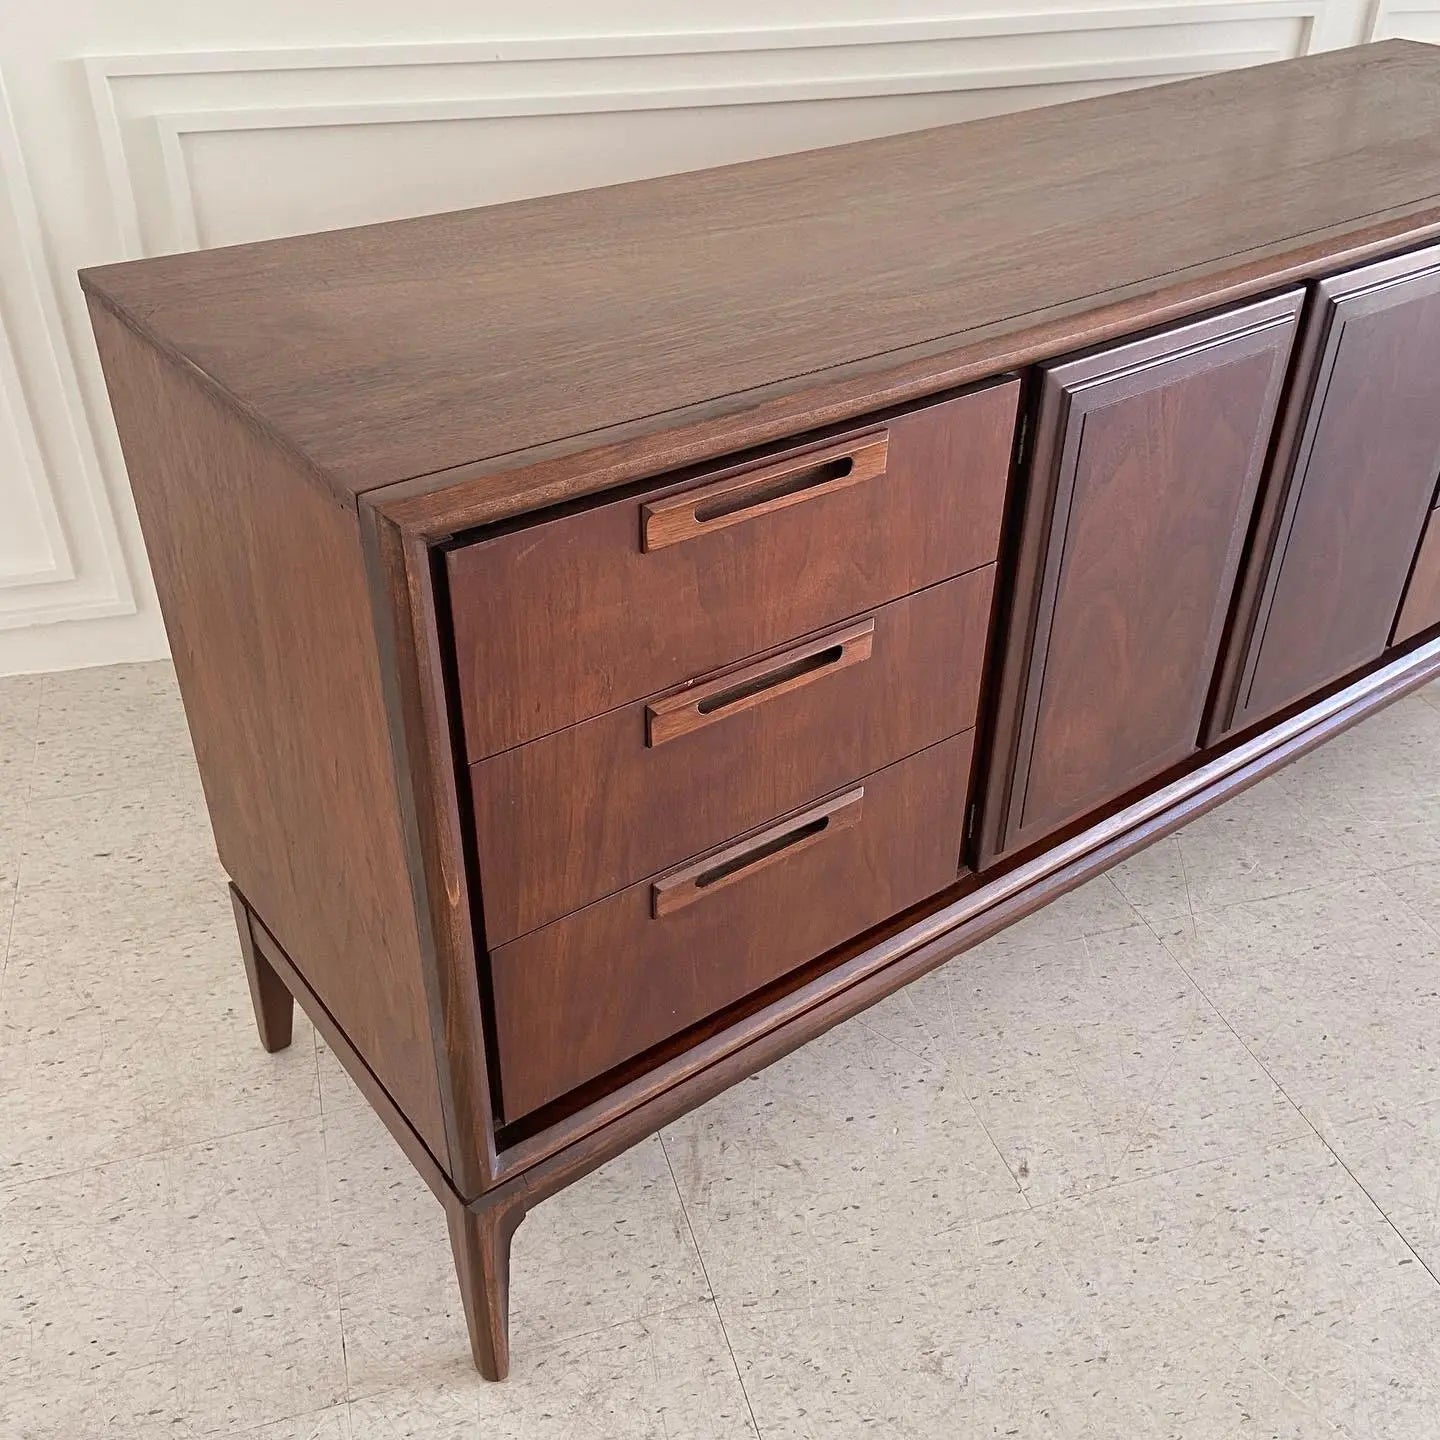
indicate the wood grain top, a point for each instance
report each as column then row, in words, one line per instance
column 391, row 351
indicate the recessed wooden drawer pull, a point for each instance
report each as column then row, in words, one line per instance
column 683, row 887
column 701, row 705
column 762, row 492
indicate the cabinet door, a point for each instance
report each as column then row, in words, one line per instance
column 1147, row 459
column 1355, row 475
column 1421, row 609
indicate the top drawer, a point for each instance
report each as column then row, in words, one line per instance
column 564, row 619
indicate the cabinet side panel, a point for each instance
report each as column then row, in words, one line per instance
column 262, row 584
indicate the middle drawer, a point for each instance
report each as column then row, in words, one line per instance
column 583, row 812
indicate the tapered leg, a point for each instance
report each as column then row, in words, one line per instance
column 274, row 1004
column 481, row 1240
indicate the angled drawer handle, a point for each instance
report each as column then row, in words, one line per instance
column 701, row 705
column 685, row 886
column 762, row 491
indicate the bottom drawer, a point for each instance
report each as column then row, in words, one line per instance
column 589, row 991
column 1421, row 607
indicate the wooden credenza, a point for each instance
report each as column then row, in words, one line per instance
column 624, row 634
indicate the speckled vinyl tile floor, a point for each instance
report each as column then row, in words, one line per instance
column 1163, row 1160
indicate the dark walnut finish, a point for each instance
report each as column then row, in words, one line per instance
column 578, row 997
column 262, row 586
column 1421, row 610
column 1356, row 483
column 716, row 758
column 1146, row 462
column 398, row 350
column 270, row 997
column 626, row 634
column 559, row 622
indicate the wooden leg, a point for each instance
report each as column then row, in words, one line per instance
column 274, row 1004
column 480, row 1240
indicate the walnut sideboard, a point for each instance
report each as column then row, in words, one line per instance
column 625, row 633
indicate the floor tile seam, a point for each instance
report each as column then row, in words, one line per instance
column 1071, row 1055
column 1410, row 909
column 536, row 1346
column 1355, row 875
column 948, row 1066
column 50, row 1177
column 1180, row 1031
column 9, row 907
column 1042, row 1210
column 23, row 837
column 995, row 1146
column 332, row 1237
column 1332, row 1427
column 163, row 768
column 313, row 1413
column 709, row 1288
column 1330, row 1149
column 1360, row 1185
column 945, row 1066
column 862, row 1022
column 1185, row 881
column 1082, row 1198
column 1154, row 1092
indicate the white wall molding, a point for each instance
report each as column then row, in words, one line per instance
column 60, row 555
column 144, row 132
column 33, row 547
column 1405, row 19
column 149, row 129
column 171, row 129
column 104, row 69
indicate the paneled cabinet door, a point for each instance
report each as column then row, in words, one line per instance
column 1356, row 469
column 1146, row 461
column 1421, row 608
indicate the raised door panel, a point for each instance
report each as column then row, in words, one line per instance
column 1146, row 463
column 1357, row 471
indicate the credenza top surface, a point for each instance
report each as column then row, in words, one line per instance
column 396, row 350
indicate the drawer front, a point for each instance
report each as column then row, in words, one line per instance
column 1421, row 607
column 584, row 994
column 565, row 619
column 578, row 814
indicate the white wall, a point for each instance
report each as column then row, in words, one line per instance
column 127, row 129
